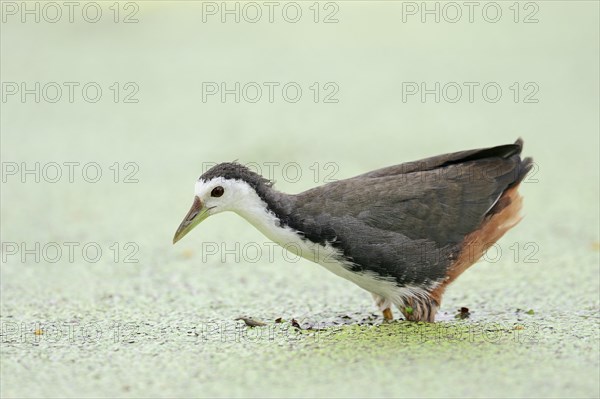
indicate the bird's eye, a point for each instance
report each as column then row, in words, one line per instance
column 217, row 191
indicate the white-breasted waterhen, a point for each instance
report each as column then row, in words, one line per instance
column 403, row 233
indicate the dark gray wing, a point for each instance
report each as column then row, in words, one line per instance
column 409, row 225
column 438, row 161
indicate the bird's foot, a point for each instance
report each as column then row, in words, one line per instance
column 384, row 306
column 387, row 315
column 419, row 309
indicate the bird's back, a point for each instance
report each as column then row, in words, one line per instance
column 409, row 221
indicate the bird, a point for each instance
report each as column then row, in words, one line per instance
column 403, row 233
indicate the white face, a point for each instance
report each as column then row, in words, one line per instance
column 219, row 195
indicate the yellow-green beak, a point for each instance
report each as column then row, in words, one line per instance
column 196, row 214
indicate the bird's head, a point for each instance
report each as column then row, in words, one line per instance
column 224, row 187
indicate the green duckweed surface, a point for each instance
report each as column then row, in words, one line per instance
column 144, row 318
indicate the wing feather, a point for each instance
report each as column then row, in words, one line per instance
column 409, row 223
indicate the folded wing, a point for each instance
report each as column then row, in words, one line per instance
column 408, row 221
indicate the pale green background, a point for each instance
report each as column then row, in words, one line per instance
column 170, row 294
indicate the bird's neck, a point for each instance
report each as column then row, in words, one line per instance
column 269, row 211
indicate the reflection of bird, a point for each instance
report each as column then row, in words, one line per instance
column 403, row 233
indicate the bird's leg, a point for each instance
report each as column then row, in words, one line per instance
column 419, row 309
column 387, row 314
column 385, row 306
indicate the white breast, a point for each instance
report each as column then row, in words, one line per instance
column 266, row 222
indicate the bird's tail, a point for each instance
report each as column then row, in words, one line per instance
column 503, row 216
column 525, row 165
